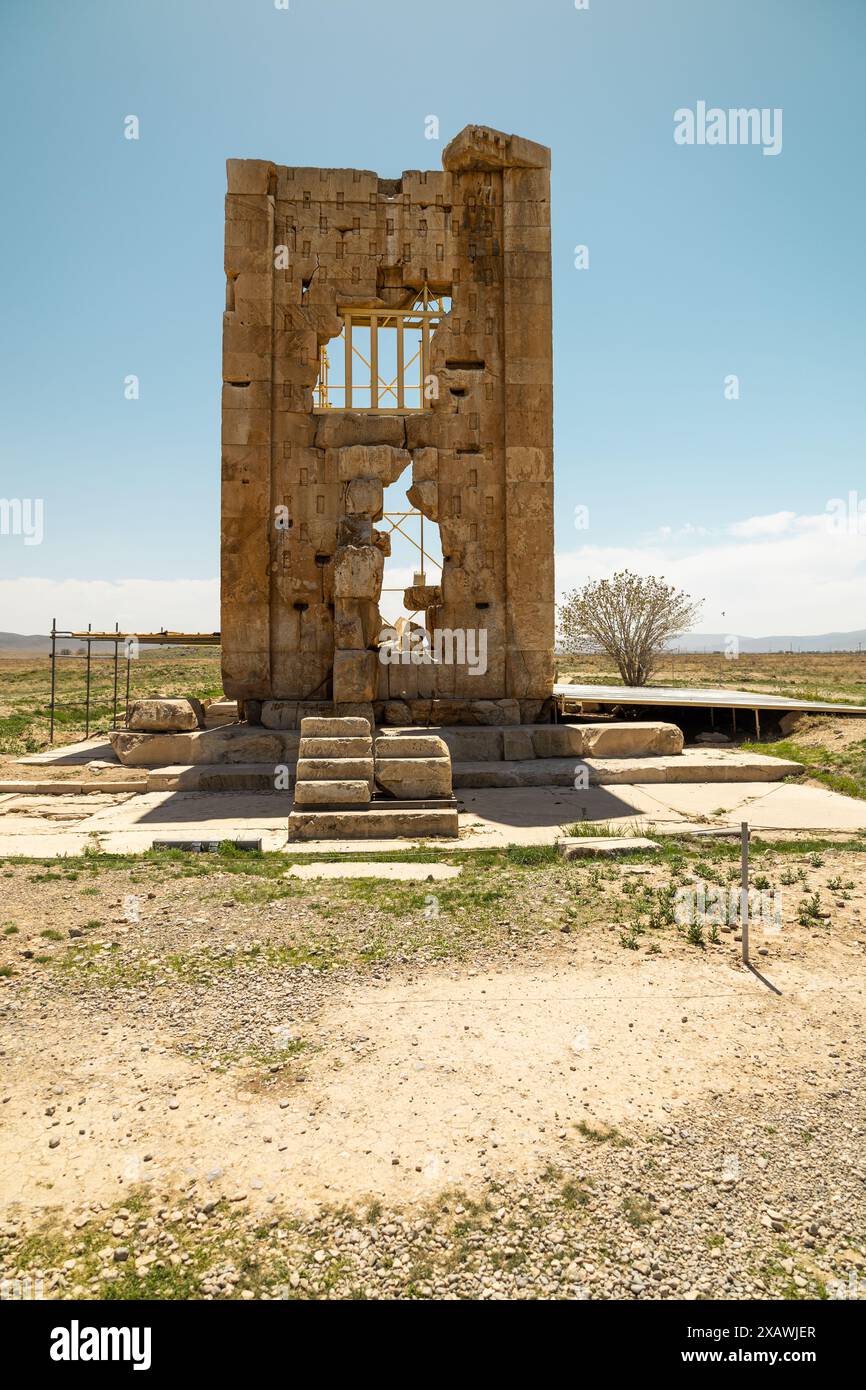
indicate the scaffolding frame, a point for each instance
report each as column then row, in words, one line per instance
column 142, row 639
column 426, row 313
column 395, row 519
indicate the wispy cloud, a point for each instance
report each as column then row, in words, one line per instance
column 784, row 572
column 138, row 605
column 772, row 525
column 779, row 573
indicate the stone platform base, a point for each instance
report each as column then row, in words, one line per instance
column 694, row 765
column 249, row 743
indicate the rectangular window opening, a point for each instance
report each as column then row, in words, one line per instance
column 380, row 361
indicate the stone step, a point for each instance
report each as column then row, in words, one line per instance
column 222, row 777
column 350, row 747
column 346, row 726
column 373, row 824
column 414, row 778
column 335, row 769
column 345, row 792
column 411, row 746
column 694, row 765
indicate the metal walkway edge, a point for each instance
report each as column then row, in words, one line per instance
column 694, row 698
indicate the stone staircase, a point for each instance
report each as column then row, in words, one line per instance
column 335, row 764
column 344, row 791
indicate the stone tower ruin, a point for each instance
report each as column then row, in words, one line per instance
column 378, row 328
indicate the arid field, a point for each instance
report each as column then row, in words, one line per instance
column 531, row 1080
column 836, row 676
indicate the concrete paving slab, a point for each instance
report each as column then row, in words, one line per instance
column 52, row 844
column 706, row 797
column 792, row 807
column 72, row 754
column 586, row 847
column 490, row 818
column 68, row 788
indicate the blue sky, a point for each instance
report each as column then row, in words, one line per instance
column 703, row 262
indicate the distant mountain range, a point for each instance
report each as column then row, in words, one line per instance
column 35, row 644
column 823, row 642
column 17, row 642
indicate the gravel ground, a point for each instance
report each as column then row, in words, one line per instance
column 711, row 1148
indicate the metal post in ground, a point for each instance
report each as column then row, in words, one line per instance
column 128, row 664
column 744, row 888
column 53, row 675
column 116, row 640
column 87, row 693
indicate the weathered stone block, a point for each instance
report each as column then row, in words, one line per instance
column 279, row 714
column 344, row 792
column 404, row 746
column 559, row 741
column 356, row 675
column 631, row 740
column 372, row 461
column 335, row 747
column 422, row 596
column 358, row 574
column 396, row 712
column 355, row 709
column 509, row 711
column 517, row 744
column 335, row 769
column 345, row 428
column 357, row 623
column 486, row 712
column 355, row 530
column 382, row 541
column 163, row 716
column 364, row 495
column 220, row 712
column 233, row 744
column 425, row 496
column 414, row 778
column 327, row 726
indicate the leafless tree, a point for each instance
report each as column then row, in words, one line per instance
column 630, row 617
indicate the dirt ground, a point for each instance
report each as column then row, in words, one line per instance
column 230, row 1044
column 828, row 731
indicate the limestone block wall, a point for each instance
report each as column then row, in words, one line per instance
column 302, row 488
